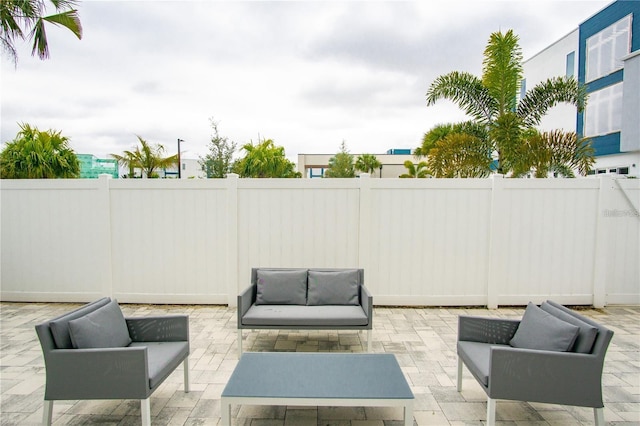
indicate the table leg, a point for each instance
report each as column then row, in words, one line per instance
column 225, row 407
column 408, row 413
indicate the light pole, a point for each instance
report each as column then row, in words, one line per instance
column 179, row 162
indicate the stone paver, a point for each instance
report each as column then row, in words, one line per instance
column 423, row 340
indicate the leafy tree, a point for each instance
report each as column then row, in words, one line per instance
column 492, row 100
column 146, row 157
column 25, row 19
column 419, row 170
column 36, row 154
column 341, row 165
column 554, row 152
column 217, row 163
column 367, row 163
column 265, row 160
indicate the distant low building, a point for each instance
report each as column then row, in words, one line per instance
column 91, row 167
column 315, row 165
column 190, row 169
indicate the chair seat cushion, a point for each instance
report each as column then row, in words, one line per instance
column 309, row 316
column 476, row 357
column 60, row 325
column 163, row 358
column 103, row 328
column 586, row 334
column 543, row 331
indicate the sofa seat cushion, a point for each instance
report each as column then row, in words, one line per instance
column 305, row 316
column 163, row 358
column 477, row 357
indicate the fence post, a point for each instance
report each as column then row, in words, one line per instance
column 497, row 240
column 601, row 252
column 232, row 239
column 105, row 209
column 364, row 230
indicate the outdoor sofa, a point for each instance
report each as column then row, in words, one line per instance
column 305, row 299
column 552, row 355
column 93, row 352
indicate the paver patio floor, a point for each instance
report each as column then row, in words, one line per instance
column 423, row 340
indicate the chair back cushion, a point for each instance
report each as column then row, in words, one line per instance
column 103, row 328
column 541, row 330
column 333, row 287
column 60, row 326
column 586, row 335
column 281, row 287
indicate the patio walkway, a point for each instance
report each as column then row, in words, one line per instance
column 422, row 339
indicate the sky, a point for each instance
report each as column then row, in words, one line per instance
column 306, row 74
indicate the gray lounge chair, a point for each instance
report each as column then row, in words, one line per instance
column 572, row 377
column 152, row 349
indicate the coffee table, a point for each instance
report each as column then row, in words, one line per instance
column 317, row 379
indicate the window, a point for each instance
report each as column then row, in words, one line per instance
column 523, row 88
column 571, row 61
column 604, row 49
column 184, row 166
column 603, row 114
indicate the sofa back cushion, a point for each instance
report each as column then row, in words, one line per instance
column 281, row 287
column 60, row 326
column 103, row 328
column 333, row 287
column 541, row 330
column 586, row 334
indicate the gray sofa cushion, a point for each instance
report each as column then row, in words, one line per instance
column 476, row 356
column 103, row 328
column 541, row 330
column 309, row 316
column 281, row 287
column 333, row 287
column 163, row 358
column 586, row 334
column 60, row 325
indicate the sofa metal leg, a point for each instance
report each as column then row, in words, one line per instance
column 491, row 412
column 459, row 376
column 598, row 414
column 369, row 340
column 239, row 342
column 145, row 411
column 47, row 413
column 185, row 364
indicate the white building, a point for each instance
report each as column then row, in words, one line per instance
column 604, row 54
column 314, row 165
column 190, row 169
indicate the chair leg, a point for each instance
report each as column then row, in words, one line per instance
column 598, row 414
column 459, row 376
column 369, row 340
column 185, row 364
column 491, row 412
column 145, row 410
column 239, row 342
column 47, row 413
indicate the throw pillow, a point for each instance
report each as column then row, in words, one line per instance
column 333, row 287
column 281, row 287
column 586, row 335
column 541, row 330
column 103, row 328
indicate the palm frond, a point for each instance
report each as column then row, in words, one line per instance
column 502, row 69
column 548, row 94
column 69, row 20
column 465, row 90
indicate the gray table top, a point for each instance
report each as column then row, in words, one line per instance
column 317, row 375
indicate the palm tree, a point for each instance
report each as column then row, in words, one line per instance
column 491, row 101
column 265, row 160
column 460, row 155
column 367, row 163
column 148, row 159
column 35, row 154
column 23, row 19
column 415, row 170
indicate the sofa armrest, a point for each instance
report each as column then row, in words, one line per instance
column 546, row 376
column 245, row 300
column 486, row 330
column 102, row 373
column 366, row 301
column 165, row 328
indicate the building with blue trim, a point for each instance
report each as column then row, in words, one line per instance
column 604, row 54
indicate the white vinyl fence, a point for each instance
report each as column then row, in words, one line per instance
column 420, row 241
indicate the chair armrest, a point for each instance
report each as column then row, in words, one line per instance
column 545, row 376
column 486, row 330
column 366, row 301
column 165, row 328
column 102, row 373
column 245, row 300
